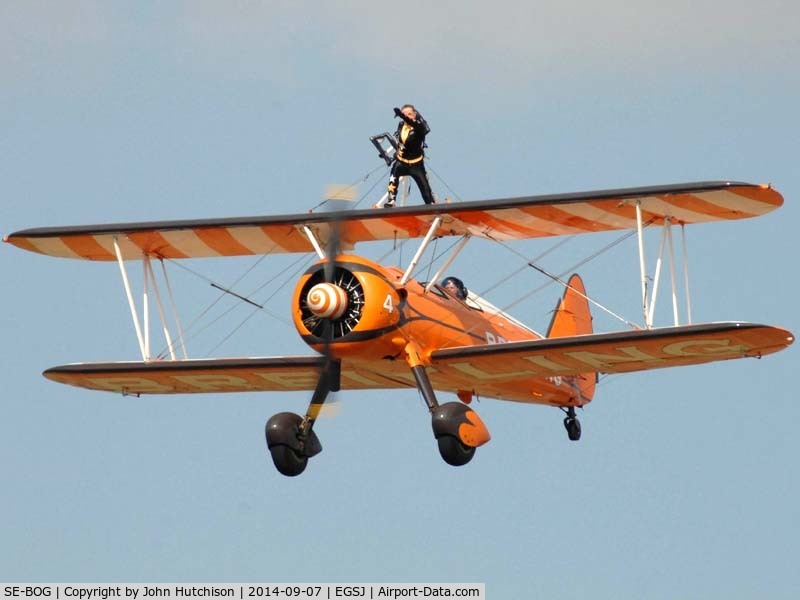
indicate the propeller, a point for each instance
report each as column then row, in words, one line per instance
column 328, row 302
column 290, row 438
column 337, row 304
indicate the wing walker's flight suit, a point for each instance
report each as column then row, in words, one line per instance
column 410, row 157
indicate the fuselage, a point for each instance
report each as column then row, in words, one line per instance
column 387, row 326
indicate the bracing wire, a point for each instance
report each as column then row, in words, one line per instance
column 558, row 278
column 303, row 260
column 532, row 263
column 372, row 187
column 354, row 184
column 392, row 250
column 436, row 257
column 227, row 290
column 245, row 298
column 453, row 192
column 430, row 263
column 208, row 280
column 524, row 266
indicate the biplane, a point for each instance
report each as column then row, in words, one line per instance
column 375, row 327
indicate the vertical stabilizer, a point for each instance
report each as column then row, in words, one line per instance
column 573, row 317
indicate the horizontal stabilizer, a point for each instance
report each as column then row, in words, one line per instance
column 501, row 219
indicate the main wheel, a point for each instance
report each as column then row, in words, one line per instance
column 282, row 440
column 288, row 461
column 573, row 427
column 453, row 451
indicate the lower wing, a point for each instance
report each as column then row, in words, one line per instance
column 506, row 371
column 617, row 352
column 285, row 374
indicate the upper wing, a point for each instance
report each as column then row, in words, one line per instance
column 504, row 219
column 286, row 374
column 495, row 368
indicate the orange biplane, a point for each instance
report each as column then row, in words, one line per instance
column 376, row 327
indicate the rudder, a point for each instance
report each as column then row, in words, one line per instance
column 573, row 316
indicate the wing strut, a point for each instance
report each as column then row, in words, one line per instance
column 686, row 275
column 447, row 263
column 649, row 301
column 314, row 241
column 143, row 328
column 428, row 236
column 640, row 237
column 131, row 303
column 174, row 308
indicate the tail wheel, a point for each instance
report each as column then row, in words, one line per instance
column 573, row 427
column 453, row 451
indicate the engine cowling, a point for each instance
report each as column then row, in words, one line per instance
column 360, row 303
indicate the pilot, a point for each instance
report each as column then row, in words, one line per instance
column 410, row 156
column 455, row 287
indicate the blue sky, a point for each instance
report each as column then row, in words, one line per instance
column 685, row 481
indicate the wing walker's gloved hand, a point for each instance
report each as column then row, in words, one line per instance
column 397, row 112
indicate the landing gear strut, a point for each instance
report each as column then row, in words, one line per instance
column 572, row 424
column 458, row 429
column 290, row 438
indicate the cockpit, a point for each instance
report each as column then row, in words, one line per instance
column 455, row 287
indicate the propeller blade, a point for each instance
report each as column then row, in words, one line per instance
column 330, row 374
column 333, row 248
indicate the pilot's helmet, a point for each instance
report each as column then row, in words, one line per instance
column 455, row 287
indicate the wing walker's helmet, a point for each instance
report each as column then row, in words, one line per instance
column 455, row 286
